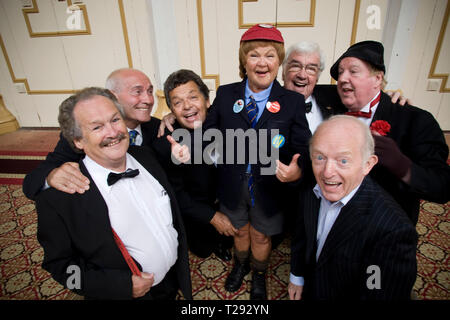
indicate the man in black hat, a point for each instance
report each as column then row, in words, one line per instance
column 409, row 143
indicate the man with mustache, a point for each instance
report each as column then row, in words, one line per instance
column 134, row 91
column 125, row 234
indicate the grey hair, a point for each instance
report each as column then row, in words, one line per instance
column 307, row 47
column 70, row 129
column 368, row 147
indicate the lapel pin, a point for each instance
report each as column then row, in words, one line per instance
column 278, row 141
column 238, row 106
column 273, row 107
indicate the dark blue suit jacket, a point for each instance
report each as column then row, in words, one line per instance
column 291, row 123
column 371, row 229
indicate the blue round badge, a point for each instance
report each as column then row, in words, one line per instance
column 278, row 141
column 238, row 106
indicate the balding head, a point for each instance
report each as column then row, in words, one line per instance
column 342, row 154
column 134, row 91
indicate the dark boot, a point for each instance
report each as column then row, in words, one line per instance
column 258, row 290
column 259, row 268
column 236, row 276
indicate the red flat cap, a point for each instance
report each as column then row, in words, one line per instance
column 263, row 32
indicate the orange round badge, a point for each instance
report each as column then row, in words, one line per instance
column 273, row 107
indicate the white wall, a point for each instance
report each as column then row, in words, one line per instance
column 164, row 35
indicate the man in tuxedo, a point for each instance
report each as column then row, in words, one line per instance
column 412, row 153
column 195, row 184
column 302, row 68
column 134, row 91
column 124, row 236
column 352, row 241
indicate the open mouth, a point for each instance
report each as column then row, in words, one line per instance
column 299, row 84
column 191, row 116
column 331, row 184
column 347, row 90
column 261, row 73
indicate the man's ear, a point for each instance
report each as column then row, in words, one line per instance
column 78, row 143
column 370, row 163
column 208, row 104
column 379, row 79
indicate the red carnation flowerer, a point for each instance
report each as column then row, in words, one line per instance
column 380, row 126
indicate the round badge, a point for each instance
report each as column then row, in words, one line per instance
column 238, row 106
column 278, row 141
column 273, row 107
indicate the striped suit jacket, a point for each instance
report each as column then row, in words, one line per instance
column 371, row 230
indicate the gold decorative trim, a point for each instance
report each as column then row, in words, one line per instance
column 437, row 52
column 355, row 21
column 125, row 33
column 35, row 9
column 310, row 23
column 201, row 41
column 25, row 81
column 8, row 122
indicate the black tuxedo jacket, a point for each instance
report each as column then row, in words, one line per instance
column 420, row 138
column 291, row 123
column 328, row 100
column 76, row 230
column 370, row 230
column 35, row 180
column 195, row 185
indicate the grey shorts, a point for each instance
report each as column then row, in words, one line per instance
column 245, row 213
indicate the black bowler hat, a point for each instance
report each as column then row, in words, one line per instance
column 369, row 51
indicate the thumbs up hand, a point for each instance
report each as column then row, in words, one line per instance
column 288, row 173
column 180, row 154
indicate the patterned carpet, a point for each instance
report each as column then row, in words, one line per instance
column 22, row 278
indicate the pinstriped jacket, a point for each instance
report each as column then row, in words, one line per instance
column 371, row 230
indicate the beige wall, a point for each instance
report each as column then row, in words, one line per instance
column 206, row 40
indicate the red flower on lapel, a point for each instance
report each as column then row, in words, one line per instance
column 380, row 126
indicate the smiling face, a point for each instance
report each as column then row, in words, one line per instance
column 261, row 65
column 135, row 93
column 104, row 134
column 189, row 105
column 357, row 83
column 337, row 158
column 301, row 72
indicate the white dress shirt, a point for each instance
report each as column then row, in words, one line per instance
column 367, row 108
column 328, row 213
column 140, row 213
column 314, row 117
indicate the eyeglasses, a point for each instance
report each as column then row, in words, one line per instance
column 310, row 69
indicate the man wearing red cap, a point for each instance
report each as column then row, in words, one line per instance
column 409, row 143
column 254, row 202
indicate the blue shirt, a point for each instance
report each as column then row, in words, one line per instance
column 261, row 99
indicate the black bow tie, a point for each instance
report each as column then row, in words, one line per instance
column 308, row 106
column 114, row 177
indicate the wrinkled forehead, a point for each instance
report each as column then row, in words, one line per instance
column 304, row 58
